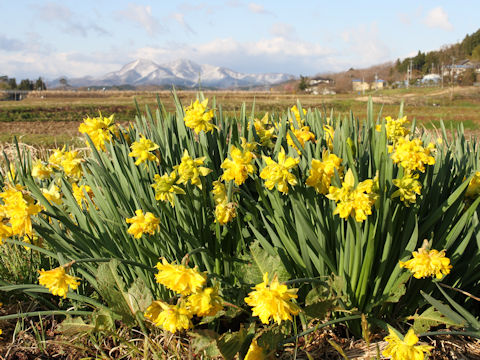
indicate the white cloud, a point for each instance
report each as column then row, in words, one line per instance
column 56, row 13
column 257, row 9
column 364, row 46
column 438, row 18
column 275, row 54
column 283, row 30
column 142, row 17
column 180, row 18
column 10, row 44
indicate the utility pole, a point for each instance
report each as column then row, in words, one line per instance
column 363, row 85
column 452, row 77
column 441, row 72
column 409, row 73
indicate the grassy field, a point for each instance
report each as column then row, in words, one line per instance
column 52, row 117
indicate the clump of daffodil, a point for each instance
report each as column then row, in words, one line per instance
column 255, row 352
column 303, row 135
column 99, row 129
column 353, row 200
column 171, row 318
column 18, row 207
column 198, row 118
column 279, row 173
column 473, row 189
column 404, row 349
column 395, row 128
column 79, row 194
column 272, row 301
column 408, row 188
column 57, row 281
column 179, row 278
column 411, row 154
column 142, row 223
column 52, row 194
column 225, row 211
column 142, row 150
column 239, row 166
column 294, row 110
column 428, row 263
column 205, row 302
column 265, row 132
column 321, row 172
column 165, row 187
column 40, row 170
column 191, row 170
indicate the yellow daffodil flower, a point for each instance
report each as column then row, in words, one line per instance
column 171, row 318
column 179, row 278
column 142, row 150
column 165, row 187
column 272, row 301
column 198, row 118
column 40, row 170
column 428, row 263
column 205, row 302
column 303, row 135
column 395, row 128
column 473, row 189
column 52, row 194
column 408, row 188
column 255, row 352
column 294, row 110
column 321, row 172
column 72, row 164
column 405, row 349
column 57, row 281
column 18, row 207
column 356, row 201
column 279, row 173
column 239, row 167
column 411, row 154
column 79, row 194
column 264, row 131
column 99, row 129
column 142, row 223
column 190, row 170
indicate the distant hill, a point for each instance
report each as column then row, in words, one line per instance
column 183, row 73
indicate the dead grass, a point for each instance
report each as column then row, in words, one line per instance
column 128, row 343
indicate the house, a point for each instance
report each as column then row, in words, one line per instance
column 320, row 80
column 460, row 67
column 360, row 85
column 431, row 79
column 378, row 84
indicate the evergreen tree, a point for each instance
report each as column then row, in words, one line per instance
column 40, row 84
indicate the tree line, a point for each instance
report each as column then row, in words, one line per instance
column 7, row 83
column 468, row 48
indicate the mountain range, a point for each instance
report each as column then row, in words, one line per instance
column 182, row 72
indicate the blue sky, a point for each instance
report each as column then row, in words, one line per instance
column 77, row 38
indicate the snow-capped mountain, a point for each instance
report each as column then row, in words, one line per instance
column 180, row 72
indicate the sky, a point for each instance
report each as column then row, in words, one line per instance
column 75, row 38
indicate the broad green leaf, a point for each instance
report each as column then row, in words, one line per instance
column 431, row 318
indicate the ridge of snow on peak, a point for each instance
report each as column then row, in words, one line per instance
column 181, row 72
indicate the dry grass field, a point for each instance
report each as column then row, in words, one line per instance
column 52, row 117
